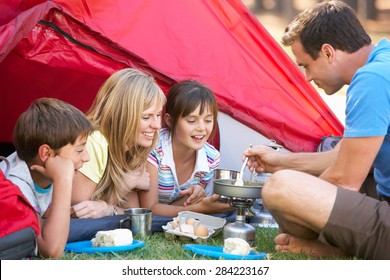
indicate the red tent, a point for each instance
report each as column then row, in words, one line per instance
column 67, row 48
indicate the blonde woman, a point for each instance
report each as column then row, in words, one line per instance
column 127, row 116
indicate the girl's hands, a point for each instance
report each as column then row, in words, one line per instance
column 211, row 205
column 195, row 194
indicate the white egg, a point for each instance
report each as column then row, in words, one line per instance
column 187, row 229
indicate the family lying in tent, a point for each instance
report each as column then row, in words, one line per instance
column 117, row 167
column 118, row 156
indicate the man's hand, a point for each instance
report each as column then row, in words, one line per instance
column 263, row 159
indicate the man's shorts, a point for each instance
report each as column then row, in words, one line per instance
column 360, row 225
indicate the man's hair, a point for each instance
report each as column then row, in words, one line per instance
column 332, row 22
column 48, row 121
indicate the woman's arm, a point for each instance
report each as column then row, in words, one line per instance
column 82, row 206
column 83, row 188
column 148, row 199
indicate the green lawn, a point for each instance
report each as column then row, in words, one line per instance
column 159, row 247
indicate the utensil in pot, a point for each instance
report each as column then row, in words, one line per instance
column 239, row 181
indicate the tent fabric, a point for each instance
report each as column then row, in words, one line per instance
column 67, row 48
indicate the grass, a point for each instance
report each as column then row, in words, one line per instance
column 159, row 247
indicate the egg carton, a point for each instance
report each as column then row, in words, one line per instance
column 213, row 224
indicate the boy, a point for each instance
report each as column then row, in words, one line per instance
column 49, row 139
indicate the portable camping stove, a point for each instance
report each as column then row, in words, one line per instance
column 241, row 229
column 247, row 199
column 259, row 216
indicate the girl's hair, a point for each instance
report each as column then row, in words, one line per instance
column 184, row 97
column 48, row 121
column 116, row 112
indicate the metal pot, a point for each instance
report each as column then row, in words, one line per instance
column 225, row 174
column 227, row 188
column 224, row 185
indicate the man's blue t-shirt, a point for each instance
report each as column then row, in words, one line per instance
column 368, row 109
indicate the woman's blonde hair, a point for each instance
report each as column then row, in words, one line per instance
column 116, row 112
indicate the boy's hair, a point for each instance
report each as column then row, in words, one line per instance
column 48, row 121
column 332, row 22
column 184, row 97
column 116, row 112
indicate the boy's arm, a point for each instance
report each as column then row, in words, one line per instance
column 54, row 231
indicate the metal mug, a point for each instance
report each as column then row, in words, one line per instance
column 138, row 220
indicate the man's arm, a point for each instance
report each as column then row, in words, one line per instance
column 354, row 162
column 266, row 159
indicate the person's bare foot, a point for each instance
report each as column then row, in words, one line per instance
column 287, row 243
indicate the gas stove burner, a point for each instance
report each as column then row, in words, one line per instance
column 241, row 199
column 245, row 198
column 240, row 202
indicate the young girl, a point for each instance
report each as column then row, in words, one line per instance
column 183, row 163
column 127, row 114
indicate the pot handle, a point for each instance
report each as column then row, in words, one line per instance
column 121, row 222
